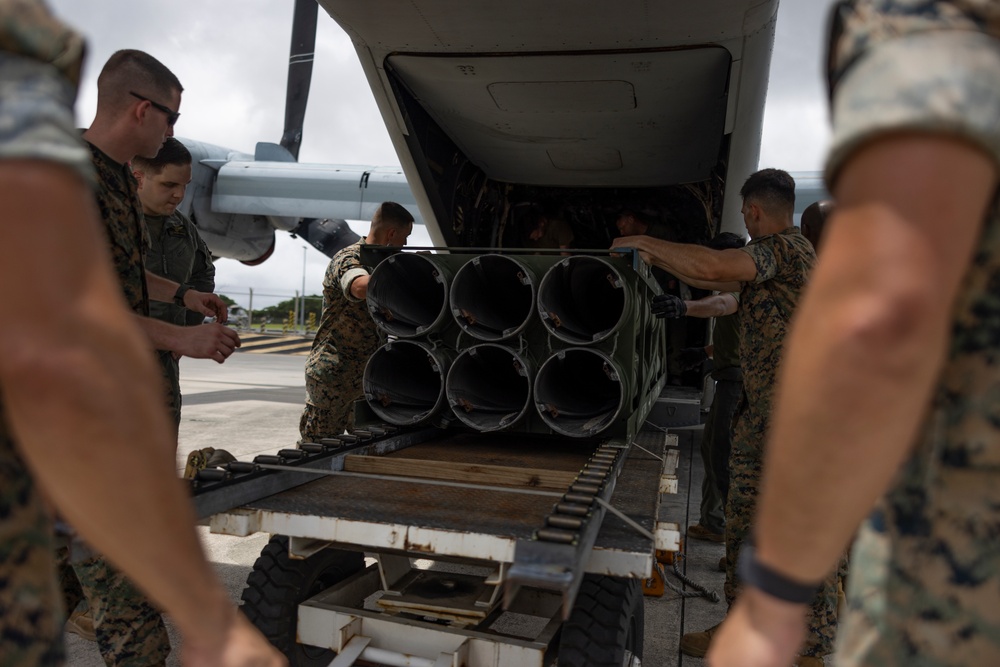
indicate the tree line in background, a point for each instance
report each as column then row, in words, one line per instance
column 278, row 313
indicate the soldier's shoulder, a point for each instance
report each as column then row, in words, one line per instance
column 28, row 28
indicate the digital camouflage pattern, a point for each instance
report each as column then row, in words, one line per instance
column 121, row 211
column 925, row 582
column 783, row 263
column 28, row 28
column 31, row 616
column 40, row 62
column 115, row 603
column 347, row 336
column 130, row 631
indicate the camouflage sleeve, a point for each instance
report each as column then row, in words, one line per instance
column 36, row 115
column 764, row 258
column 348, row 268
column 927, row 67
column 39, row 68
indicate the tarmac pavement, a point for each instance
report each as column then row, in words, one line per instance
column 251, row 405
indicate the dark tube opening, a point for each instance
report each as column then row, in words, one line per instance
column 404, row 382
column 578, row 392
column 492, row 297
column 408, row 295
column 489, row 387
column 582, row 300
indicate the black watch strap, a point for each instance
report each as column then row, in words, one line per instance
column 179, row 294
column 752, row 572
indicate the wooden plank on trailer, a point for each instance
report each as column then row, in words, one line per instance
column 473, row 473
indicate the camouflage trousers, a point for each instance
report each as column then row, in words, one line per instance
column 172, row 378
column 716, row 443
column 925, row 583
column 31, row 617
column 130, row 631
column 329, row 407
column 745, row 467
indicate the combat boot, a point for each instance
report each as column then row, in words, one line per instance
column 722, row 564
column 700, row 532
column 695, row 644
column 81, row 623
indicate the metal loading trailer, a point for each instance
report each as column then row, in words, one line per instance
column 556, row 511
column 488, row 498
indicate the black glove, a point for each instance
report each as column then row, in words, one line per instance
column 691, row 357
column 669, row 306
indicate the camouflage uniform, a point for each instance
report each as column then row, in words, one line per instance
column 130, row 631
column 717, row 438
column 177, row 253
column 40, row 63
column 347, row 336
column 925, row 588
column 783, row 263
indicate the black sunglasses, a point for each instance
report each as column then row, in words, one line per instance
column 172, row 115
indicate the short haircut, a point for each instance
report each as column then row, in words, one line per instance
column 814, row 219
column 391, row 214
column 771, row 189
column 171, row 152
column 726, row 241
column 131, row 71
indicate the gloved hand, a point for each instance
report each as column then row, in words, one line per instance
column 691, row 357
column 669, row 306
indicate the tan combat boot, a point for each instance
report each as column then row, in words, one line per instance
column 695, row 644
column 81, row 623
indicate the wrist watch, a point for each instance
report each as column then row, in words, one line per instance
column 752, row 572
column 179, row 294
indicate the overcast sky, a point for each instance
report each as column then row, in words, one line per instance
column 231, row 56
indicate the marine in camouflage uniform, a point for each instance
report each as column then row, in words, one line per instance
column 40, row 63
column 130, row 631
column 177, row 252
column 347, row 336
column 925, row 584
column 783, row 263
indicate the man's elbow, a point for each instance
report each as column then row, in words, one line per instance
column 889, row 327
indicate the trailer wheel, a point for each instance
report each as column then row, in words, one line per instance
column 605, row 628
column 276, row 586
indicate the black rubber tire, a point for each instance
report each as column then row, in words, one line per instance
column 276, row 586
column 605, row 626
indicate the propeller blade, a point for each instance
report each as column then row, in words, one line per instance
column 300, row 62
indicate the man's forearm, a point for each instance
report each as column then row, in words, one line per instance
column 161, row 335
column 717, row 305
column 160, row 288
column 868, row 344
column 83, row 398
column 695, row 264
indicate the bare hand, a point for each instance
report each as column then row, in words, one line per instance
column 207, row 304
column 208, row 341
column 759, row 631
column 241, row 646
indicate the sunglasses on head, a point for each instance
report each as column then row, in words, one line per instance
column 172, row 115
